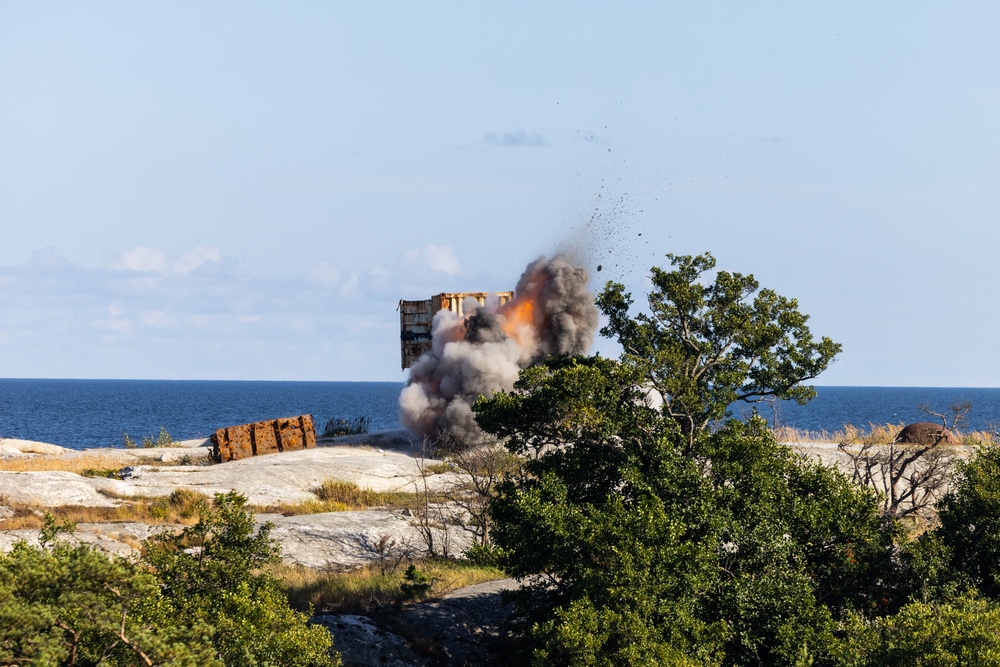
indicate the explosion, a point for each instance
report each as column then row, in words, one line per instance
column 552, row 313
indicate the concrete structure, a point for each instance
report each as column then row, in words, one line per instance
column 415, row 318
column 267, row 437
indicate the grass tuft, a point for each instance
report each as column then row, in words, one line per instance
column 369, row 589
column 338, row 496
column 338, row 427
column 180, row 507
column 81, row 464
column 875, row 434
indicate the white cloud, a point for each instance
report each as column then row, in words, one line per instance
column 48, row 258
column 115, row 321
column 166, row 313
column 323, row 274
column 157, row 319
column 141, row 259
column 351, row 289
column 517, row 138
column 442, row 259
column 195, row 257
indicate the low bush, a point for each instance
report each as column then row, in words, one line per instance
column 180, row 507
column 339, row 496
column 367, row 590
column 197, row 597
column 338, row 427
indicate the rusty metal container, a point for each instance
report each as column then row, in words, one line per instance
column 266, row 437
column 415, row 318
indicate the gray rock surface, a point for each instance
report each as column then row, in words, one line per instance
column 362, row 643
column 344, row 540
column 464, row 628
column 463, row 625
column 55, row 489
column 288, row 477
column 114, row 538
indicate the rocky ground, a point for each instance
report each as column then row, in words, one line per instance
column 455, row 630
column 459, row 629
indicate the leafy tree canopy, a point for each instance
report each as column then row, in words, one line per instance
column 197, row 598
column 706, row 344
column 639, row 553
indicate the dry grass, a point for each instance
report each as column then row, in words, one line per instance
column 81, row 464
column 337, row 496
column 180, row 507
column 875, row 434
column 366, row 590
column 104, row 464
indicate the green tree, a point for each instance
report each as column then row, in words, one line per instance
column 638, row 552
column 970, row 522
column 72, row 605
column 705, row 345
column 197, row 598
column 213, row 572
column 961, row 633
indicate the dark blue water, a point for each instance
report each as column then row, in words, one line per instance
column 97, row 413
column 834, row 407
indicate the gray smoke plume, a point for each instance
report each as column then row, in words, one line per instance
column 552, row 313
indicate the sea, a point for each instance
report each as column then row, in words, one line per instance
column 82, row 414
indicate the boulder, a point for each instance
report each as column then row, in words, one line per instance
column 926, row 433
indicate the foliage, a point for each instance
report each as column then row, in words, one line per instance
column 72, row 605
column 164, row 439
column 370, row 589
column 970, row 521
column 704, row 345
column 938, row 634
column 213, row 572
column 198, row 597
column 639, row 552
column 643, row 536
column 339, row 427
column 416, row 583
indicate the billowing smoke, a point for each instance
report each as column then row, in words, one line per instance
column 552, row 313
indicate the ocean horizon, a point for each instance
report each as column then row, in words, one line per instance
column 82, row 414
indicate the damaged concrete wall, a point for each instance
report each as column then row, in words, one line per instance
column 416, row 317
column 265, row 437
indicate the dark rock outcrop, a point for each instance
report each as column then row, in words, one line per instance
column 926, row 433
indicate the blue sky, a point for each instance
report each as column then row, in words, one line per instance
column 245, row 190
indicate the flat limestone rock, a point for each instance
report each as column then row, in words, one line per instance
column 345, row 540
column 15, row 447
column 120, row 539
column 54, row 489
column 339, row 540
column 287, row 477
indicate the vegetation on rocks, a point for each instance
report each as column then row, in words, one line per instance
column 180, row 507
column 339, row 426
column 674, row 536
column 200, row 596
column 378, row 587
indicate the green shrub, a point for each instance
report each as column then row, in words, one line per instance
column 338, row 427
column 198, row 597
column 213, row 572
